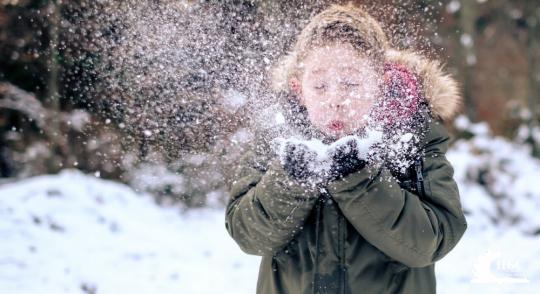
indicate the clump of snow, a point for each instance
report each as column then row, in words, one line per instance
column 233, row 100
column 528, row 133
column 149, row 177
column 241, row 136
column 406, row 137
column 78, row 119
column 399, row 148
column 453, row 6
column 323, row 152
column 463, row 123
column 280, row 119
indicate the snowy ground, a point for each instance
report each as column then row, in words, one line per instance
column 66, row 233
column 74, row 233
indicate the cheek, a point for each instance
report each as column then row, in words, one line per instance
column 366, row 91
column 366, row 104
column 316, row 109
column 314, row 102
column 362, row 104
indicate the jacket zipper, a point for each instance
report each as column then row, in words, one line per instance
column 342, row 269
column 342, row 229
column 419, row 177
column 319, row 205
column 315, row 274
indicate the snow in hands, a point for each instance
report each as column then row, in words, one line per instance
column 315, row 159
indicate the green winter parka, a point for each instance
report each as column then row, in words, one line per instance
column 364, row 233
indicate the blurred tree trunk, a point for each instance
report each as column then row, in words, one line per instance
column 467, row 23
column 52, row 98
column 532, row 52
column 532, row 10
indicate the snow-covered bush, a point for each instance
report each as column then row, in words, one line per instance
column 497, row 177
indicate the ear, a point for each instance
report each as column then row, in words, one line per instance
column 296, row 88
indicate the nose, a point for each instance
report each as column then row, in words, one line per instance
column 336, row 101
column 336, row 105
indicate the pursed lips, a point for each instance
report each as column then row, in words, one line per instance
column 336, row 125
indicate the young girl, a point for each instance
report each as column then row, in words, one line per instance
column 374, row 224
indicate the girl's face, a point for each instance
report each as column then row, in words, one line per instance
column 338, row 87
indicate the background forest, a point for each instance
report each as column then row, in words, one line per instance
column 99, row 86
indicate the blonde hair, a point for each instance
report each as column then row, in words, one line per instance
column 338, row 23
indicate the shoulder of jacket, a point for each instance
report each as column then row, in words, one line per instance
column 437, row 136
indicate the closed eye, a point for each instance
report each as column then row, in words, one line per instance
column 351, row 84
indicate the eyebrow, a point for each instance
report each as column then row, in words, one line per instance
column 320, row 70
column 350, row 68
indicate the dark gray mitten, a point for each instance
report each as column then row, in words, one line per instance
column 298, row 160
column 346, row 160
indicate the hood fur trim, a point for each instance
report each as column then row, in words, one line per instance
column 440, row 89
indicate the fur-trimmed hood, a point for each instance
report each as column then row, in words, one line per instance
column 439, row 88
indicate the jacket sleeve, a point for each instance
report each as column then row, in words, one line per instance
column 412, row 230
column 266, row 209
